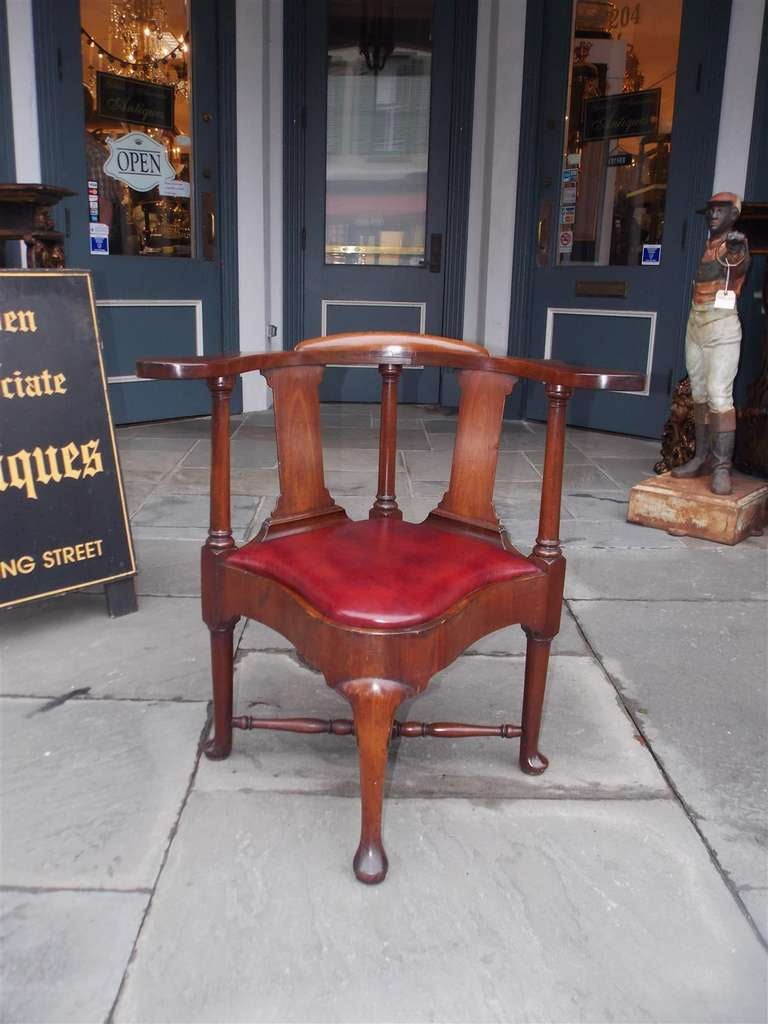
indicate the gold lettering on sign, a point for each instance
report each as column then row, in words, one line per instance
column 66, row 555
column 18, row 320
column 24, row 565
column 35, row 386
column 26, row 470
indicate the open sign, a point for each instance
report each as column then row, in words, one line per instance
column 138, row 160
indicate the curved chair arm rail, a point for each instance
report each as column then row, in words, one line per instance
column 382, row 348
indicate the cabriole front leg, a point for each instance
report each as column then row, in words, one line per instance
column 532, row 761
column 220, row 746
column 374, row 702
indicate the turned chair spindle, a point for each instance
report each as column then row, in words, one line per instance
column 385, row 505
column 380, row 605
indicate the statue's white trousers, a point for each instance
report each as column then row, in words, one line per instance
column 712, row 344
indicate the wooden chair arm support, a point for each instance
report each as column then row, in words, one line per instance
column 379, row 348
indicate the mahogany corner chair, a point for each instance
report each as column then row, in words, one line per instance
column 380, row 605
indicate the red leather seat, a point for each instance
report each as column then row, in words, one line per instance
column 381, row 573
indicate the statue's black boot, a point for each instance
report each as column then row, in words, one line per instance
column 701, row 463
column 723, row 426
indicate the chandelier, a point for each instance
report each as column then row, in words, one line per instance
column 141, row 45
column 377, row 38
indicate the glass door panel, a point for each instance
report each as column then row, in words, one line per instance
column 618, row 130
column 379, row 87
column 138, row 138
column 379, row 77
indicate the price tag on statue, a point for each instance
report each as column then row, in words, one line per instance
column 725, row 299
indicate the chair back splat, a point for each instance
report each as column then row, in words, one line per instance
column 380, row 605
column 467, row 505
column 304, row 502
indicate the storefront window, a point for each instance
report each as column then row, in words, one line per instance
column 379, row 76
column 618, row 130
column 138, row 145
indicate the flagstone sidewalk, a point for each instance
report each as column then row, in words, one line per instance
column 628, row 883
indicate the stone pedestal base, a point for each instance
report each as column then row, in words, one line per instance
column 687, row 508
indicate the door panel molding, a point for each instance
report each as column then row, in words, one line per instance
column 385, row 303
column 649, row 314
column 196, row 304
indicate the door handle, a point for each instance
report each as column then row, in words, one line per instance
column 435, row 253
column 542, row 232
column 209, row 225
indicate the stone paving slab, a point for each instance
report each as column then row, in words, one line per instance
column 243, row 454
column 573, row 457
column 168, row 568
column 618, row 446
column 601, row 533
column 136, row 495
column 157, row 443
column 670, row 574
column 586, row 734
column 181, row 510
column 242, row 482
column 158, row 461
column 708, row 726
column 756, row 902
column 91, row 789
column 197, row 427
column 580, row 478
column 493, row 911
column 596, row 504
column 64, row 953
column 160, row 652
column 627, row 472
column 165, row 515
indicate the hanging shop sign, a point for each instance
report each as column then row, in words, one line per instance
column 138, row 160
column 134, row 100
column 620, row 159
column 64, row 523
column 622, row 115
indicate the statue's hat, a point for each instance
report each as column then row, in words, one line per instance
column 723, row 199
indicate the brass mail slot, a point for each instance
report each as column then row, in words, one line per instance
column 602, row 289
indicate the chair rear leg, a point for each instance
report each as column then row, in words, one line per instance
column 374, row 702
column 221, row 667
column 532, row 761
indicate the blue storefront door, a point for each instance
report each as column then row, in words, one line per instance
column 625, row 128
column 137, row 134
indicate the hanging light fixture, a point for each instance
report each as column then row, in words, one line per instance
column 377, row 33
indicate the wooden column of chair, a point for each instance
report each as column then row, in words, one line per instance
column 380, row 605
column 385, row 506
column 218, row 544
